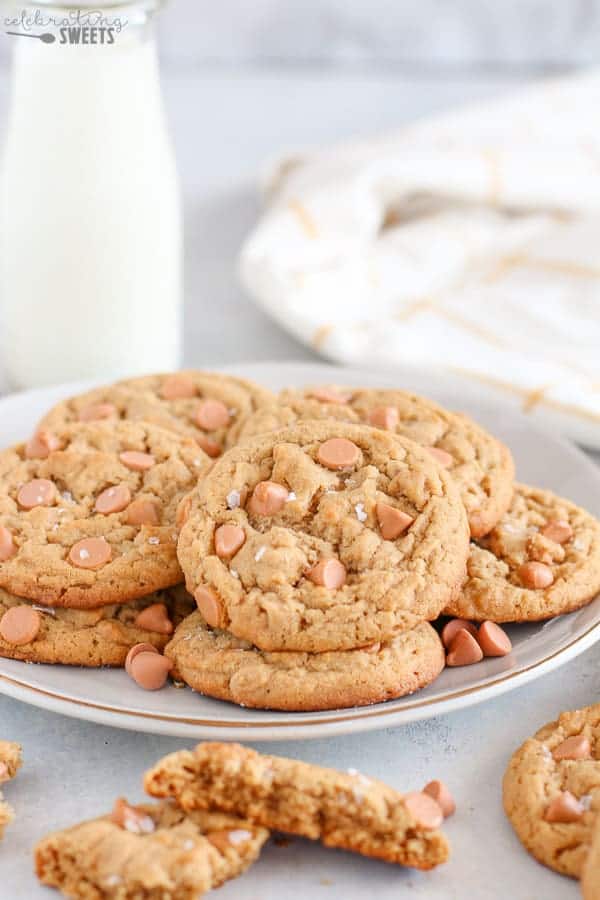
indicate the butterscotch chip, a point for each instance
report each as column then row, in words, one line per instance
column 228, row 540
column 206, row 406
column 213, row 415
column 451, row 629
column 209, row 605
column 90, row 553
column 464, row 650
column 266, row 594
column 135, row 651
column 177, row 387
column 113, row 499
column 424, row 809
column 481, row 465
column 386, row 417
column 338, row 453
column 20, row 625
column 329, row 395
column 343, row 810
column 86, row 527
column 559, row 531
column 505, row 585
column 576, row 747
column 552, row 795
column 392, row 522
column 268, row 498
column 442, row 796
column 7, row 545
column 535, row 575
column 151, row 851
column 94, row 412
column 94, row 637
column 38, row 492
column 220, row 665
column 155, row 618
column 149, row 670
column 143, row 512
column 329, row 573
column 493, row 640
column 137, row 460
column 564, row 809
column 41, row 444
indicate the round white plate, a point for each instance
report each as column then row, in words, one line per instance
column 111, row 698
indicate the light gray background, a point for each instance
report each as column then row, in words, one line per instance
column 244, row 82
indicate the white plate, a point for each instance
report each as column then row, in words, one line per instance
column 110, row 698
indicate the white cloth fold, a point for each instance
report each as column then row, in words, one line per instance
column 470, row 241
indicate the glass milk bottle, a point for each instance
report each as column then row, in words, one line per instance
column 90, row 217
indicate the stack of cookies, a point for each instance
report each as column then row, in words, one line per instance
column 88, row 517
column 321, row 534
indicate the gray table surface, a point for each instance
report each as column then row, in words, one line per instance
column 225, row 126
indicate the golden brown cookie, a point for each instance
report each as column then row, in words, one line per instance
column 541, row 560
column 91, row 519
column 147, row 852
column 220, row 665
column 324, row 536
column 552, row 790
column 207, row 406
column 89, row 637
column 10, row 763
column 590, row 877
column 346, row 810
column 482, row 466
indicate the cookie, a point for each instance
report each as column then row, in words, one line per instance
column 10, row 763
column 204, row 405
column 147, row 852
column 89, row 637
column 541, row 560
column 220, row 665
column 590, row 877
column 482, row 466
column 345, row 810
column 91, row 519
column 552, row 790
column 324, row 536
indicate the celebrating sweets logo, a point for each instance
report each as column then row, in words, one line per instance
column 78, row 26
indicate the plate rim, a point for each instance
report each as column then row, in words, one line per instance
column 336, row 721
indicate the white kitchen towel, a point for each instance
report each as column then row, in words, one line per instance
column 470, row 241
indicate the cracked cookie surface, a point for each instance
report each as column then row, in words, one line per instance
column 541, row 560
column 206, row 406
column 94, row 637
column 220, row 665
column 346, row 810
column 482, row 466
column 534, row 779
column 306, row 565
column 93, row 520
column 161, row 853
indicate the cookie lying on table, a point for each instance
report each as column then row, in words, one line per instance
column 346, row 810
column 10, row 763
column 552, row 790
column 148, row 852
